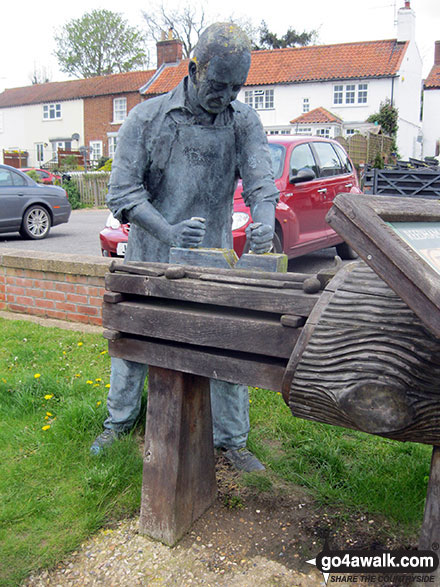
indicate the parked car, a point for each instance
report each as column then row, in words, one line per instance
column 309, row 172
column 28, row 207
column 45, row 176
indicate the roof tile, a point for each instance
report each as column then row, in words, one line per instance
column 117, row 83
column 318, row 115
column 432, row 82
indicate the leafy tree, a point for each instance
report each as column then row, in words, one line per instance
column 387, row 117
column 186, row 22
column 99, row 43
column 292, row 38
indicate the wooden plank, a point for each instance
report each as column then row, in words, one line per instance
column 362, row 223
column 430, row 532
column 283, row 301
column 179, row 471
column 248, row 369
column 190, row 324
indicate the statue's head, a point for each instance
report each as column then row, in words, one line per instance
column 220, row 65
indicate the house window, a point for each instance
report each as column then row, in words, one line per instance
column 40, row 152
column 362, row 93
column 51, row 111
column 112, row 146
column 350, row 94
column 306, row 104
column 338, row 94
column 349, row 132
column 119, row 109
column 304, row 130
column 259, row 99
column 323, row 132
column 95, row 150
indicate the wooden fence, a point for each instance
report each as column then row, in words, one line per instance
column 363, row 149
column 92, row 186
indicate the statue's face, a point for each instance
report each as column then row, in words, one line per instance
column 218, row 85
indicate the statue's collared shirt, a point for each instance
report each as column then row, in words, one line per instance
column 188, row 167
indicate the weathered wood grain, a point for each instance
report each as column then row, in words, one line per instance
column 430, row 533
column 366, row 361
column 362, row 221
column 256, row 370
column 179, row 474
column 240, row 331
column 222, row 294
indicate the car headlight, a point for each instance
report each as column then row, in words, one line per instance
column 239, row 219
column 112, row 222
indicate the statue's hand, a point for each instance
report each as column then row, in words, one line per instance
column 188, row 233
column 260, row 237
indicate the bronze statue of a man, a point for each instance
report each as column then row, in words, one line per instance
column 176, row 166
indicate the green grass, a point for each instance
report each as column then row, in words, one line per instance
column 53, row 494
column 342, row 467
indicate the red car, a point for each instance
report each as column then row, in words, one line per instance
column 44, row 176
column 309, row 172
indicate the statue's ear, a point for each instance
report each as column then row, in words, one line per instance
column 192, row 71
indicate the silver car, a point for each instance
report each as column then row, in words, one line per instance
column 28, row 207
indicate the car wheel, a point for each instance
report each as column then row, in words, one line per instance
column 346, row 252
column 36, row 223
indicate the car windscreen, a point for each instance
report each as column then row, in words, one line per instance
column 277, row 154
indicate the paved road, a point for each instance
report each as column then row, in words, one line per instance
column 80, row 236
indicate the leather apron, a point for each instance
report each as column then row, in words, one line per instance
column 199, row 179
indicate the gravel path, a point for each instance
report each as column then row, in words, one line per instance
column 122, row 557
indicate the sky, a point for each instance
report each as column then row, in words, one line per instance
column 28, row 28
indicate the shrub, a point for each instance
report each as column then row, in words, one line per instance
column 33, row 175
column 73, row 194
column 107, row 165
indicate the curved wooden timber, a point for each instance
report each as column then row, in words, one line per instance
column 364, row 360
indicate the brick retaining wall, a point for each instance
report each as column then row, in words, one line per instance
column 53, row 285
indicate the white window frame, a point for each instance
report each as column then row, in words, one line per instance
column 304, row 130
column 119, row 110
column 306, row 105
column 323, row 132
column 52, row 111
column 350, row 94
column 112, row 141
column 261, row 99
column 39, row 150
column 95, row 150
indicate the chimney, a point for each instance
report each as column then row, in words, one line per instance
column 437, row 53
column 406, row 23
column 169, row 50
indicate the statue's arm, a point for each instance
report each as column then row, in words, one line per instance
column 259, row 190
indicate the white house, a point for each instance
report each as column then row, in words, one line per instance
column 431, row 108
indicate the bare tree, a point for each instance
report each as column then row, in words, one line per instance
column 187, row 22
column 40, row 75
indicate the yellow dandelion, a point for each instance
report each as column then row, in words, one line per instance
column 46, row 417
column 96, row 385
column 48, row 396
column 49, row 414
column 98, row 379
column 64, row 352
column 250, row 401
column 80, row 343
column 77, row 374
column 98, row 404
column 37, row 375
column 103, row 352
column 4, row 380
column 89, row 382
column 107, row 385
column 46, row 427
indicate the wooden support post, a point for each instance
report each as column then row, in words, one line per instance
column 430, row 533
column 179, row 466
